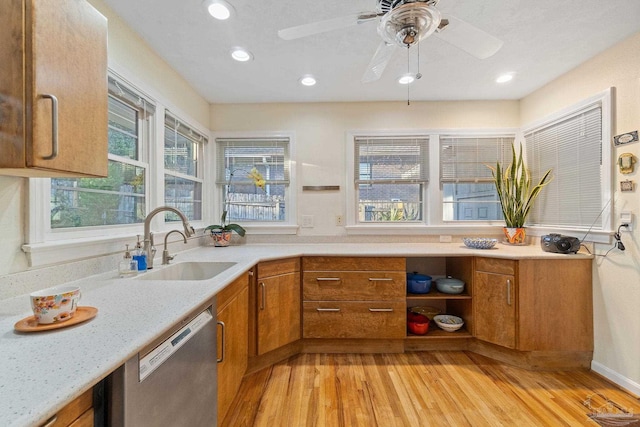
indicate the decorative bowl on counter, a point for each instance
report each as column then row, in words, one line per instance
column 448, row 322
column 479, row 242
column 418, row 283
column 426, row 310
column 418, row 324
column 449, row 285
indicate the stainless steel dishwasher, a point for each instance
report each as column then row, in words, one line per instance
column 173, row 382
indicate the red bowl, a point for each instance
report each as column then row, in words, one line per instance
column 418, row 324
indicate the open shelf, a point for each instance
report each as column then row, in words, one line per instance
column 434, row 294
column 435, row 332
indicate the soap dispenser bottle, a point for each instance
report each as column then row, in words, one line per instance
column 128, row 267
column 140, row 256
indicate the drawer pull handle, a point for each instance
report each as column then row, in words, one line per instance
column 328, row 310
column 263, row 295
column 224, row 334
column 508, row 291
column 381, row 310
column 327, row 279
column 380, row 279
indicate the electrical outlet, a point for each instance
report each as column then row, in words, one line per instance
column 446, row 239
column 307, row 221
column 339, row 220
column 626, row 217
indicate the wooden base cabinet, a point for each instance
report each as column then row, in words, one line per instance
column 53, row 89
column 354, row 297
column 233, row 320
column 277, row 296
column 534, row 305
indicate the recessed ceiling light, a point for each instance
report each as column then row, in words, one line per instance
column 504, row 78
column 406, row 79
column 240, row 54
column 219, row 9
column 308, row 81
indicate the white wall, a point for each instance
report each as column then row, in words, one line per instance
column 127, row 52
column 320, row 138
column 616, row 281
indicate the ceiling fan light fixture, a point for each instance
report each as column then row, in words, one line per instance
column 241, row 54
column 504, row 78
column 308, row 80
column 219, row 9
column 406, row 79
column 408, row 24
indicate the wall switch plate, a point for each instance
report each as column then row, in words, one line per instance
column 445, row 239
column 339, row 220
column 307, row 221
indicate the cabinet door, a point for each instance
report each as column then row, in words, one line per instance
column 494, row 303
column 67, row 57
column 278, row 299
column 232, row 349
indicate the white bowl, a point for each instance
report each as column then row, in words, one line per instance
column 448, row 322
column 479, row 242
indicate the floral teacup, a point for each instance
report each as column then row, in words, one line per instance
column 55, row 305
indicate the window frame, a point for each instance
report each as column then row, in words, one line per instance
column 45, row 246
column 289, row 225
column 605, row 222
column 200, row 166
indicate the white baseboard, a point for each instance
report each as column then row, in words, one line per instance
column 624, row 382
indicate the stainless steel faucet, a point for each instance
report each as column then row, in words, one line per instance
column 149, row 248
column 166, row 258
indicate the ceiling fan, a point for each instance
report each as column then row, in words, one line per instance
column 403, row 23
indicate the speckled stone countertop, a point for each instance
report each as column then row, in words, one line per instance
column 41, row 372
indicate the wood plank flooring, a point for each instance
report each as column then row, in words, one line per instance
column 451, row 388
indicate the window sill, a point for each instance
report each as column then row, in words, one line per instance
column 412, row 229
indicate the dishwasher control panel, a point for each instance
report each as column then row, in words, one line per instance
column 155, row 357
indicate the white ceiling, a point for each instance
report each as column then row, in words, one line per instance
column 542, row 40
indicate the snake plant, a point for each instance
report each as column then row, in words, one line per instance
column 515, row 189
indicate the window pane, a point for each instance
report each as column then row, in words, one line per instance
column 123, row 129
column 247, row 202
column 390, row 202
column 391, row 159
column 83, row 202
column 184, row 195
column 470, row 202
column 180, row 153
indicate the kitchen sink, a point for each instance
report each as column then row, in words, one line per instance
column 188, row 271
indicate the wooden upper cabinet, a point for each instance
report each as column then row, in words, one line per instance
column 53, row 82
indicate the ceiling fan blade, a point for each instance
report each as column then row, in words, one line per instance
column 471, row 39
column 379, row 62
column 319, row 27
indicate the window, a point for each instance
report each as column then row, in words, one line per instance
column 242, row 198
column 572, row 146
column 391, row 175
column 467, row 184
column 119, row 198
column 183, row 148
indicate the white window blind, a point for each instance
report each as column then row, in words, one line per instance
column 572, row 148
column 391, row 160
column 464, row 159
column 239, row 156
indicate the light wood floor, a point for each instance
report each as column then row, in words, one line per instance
column 419, row 389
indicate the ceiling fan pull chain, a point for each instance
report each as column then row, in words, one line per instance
column 408, row 72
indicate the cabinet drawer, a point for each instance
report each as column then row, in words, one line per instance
column 277, row 267
column 328, row 263
column 351, row 319
column 367, row 285
column 495, row 265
